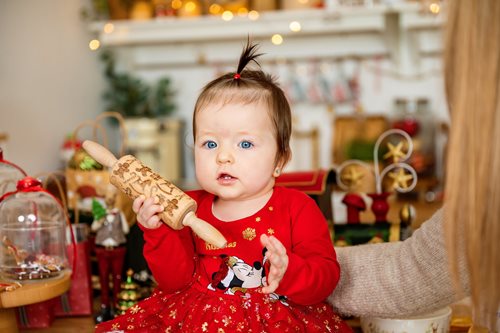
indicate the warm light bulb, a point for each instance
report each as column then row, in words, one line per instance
column 176, row 4
column 215, row 9
column 434, row 8
column 94, row 44
column 276, row 39
column 242, row 11
column 190, row 7
column 295, row 26
column 253, row 15
column 108, row 28
column 227, row 15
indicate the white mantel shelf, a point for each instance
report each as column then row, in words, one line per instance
column 314, row 22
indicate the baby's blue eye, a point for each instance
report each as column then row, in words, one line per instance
column 210, row 144
column 246, row 144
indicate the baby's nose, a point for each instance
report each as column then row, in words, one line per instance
column 225, row 156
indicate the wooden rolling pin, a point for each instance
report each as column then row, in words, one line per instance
column 134, row 178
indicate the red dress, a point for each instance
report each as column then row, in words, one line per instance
column 205, row 289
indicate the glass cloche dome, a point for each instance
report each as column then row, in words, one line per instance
column 32, row 234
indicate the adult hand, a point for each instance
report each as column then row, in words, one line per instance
column 276, row 254
column 147, row 211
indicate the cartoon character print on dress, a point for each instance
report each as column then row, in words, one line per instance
column 235, row 275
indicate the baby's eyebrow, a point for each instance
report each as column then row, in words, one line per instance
column 205, row 135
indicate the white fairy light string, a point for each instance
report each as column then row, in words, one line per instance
column 379, row 176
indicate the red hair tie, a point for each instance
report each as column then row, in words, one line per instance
column 236, row 76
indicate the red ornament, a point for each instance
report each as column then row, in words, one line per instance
column 410, row 125
column 380, row 206
column 29, row 184
column 355, row 204
column 236, row 76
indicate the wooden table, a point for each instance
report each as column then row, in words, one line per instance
column 29, row 293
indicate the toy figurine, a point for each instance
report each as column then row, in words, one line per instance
column 355, row 204
column 110, row 226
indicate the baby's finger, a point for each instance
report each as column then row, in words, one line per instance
column 277, row 262
column 271, row 248
column 153, row 210
column 276, row 272
column 264, row 240
column 277, row 259
column 136, row 205
column 147, row 210
column 277, row 245
column 154, row 222
column 270, row 288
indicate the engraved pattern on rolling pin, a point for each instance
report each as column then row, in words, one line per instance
column 135, row 179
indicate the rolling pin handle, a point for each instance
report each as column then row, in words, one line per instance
column 99, row 153
column 205, row 230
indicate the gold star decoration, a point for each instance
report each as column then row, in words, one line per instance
column 249, row 234
column 115, row 326
column 400, row 178
column 270, row 231
column 395, row 151
column 257, row 219
column 271, row 208
column 352, row 176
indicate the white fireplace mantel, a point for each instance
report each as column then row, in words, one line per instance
column 383, row 30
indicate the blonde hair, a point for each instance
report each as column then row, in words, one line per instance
column 249, row 86
column 472, row 78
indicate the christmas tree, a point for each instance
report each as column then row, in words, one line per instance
column 129, row 295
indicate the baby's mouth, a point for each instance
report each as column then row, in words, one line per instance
column 225, row 177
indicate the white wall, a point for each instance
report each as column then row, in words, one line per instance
column 49, row 79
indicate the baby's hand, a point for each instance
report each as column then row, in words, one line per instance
column 147, row 212
column 276, row 254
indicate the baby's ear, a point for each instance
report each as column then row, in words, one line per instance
column 278, row 170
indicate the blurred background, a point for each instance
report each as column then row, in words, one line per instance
column 334, row 59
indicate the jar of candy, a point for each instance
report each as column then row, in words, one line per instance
column 32, row 234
